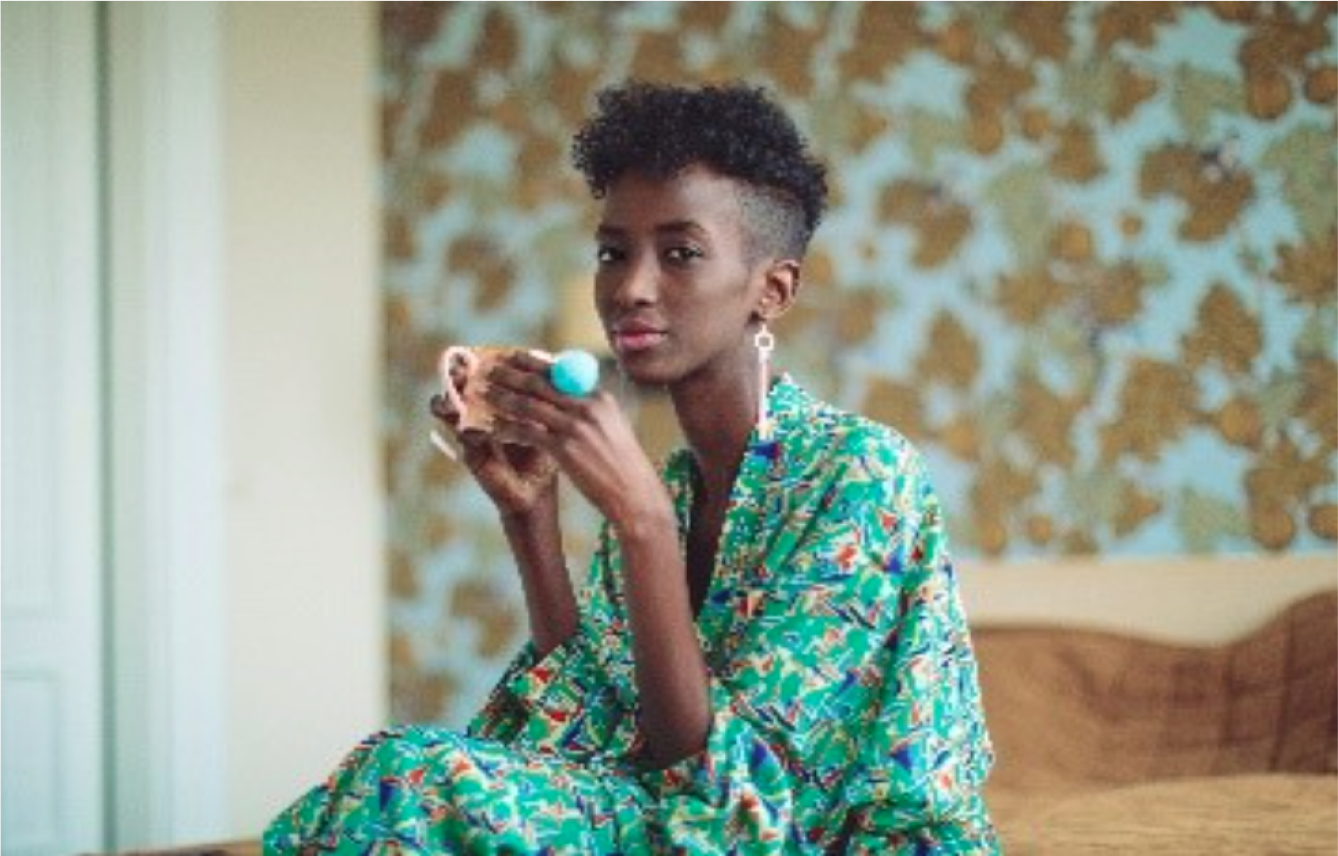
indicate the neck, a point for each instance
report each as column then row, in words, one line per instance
column 717, row 417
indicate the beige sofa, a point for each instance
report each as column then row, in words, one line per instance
column 1118, row 743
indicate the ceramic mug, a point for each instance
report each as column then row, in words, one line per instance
column 471, row 365
column 475, row 363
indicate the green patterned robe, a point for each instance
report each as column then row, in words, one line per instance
column 846, row 711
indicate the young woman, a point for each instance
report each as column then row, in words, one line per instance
column 770, row 653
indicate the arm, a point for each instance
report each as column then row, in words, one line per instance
column 595, row 446
column 671, row 672
column 535, row 537
column 522, row 483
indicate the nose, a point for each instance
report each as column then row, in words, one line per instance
column 634, row 283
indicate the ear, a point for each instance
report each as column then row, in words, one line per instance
column 780, row 287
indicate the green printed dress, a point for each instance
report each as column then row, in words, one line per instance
column 846, row 712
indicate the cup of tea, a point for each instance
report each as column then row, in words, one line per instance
column 464, row 373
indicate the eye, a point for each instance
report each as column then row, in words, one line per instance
column 683, row 255
column 607, row 254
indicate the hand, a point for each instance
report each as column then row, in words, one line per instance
column 516, row 478
column 590, row 438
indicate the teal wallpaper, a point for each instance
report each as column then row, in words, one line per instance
column 1083, row 255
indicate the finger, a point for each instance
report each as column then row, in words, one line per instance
column 477, row 452
column 448, row 415
column 473, row 440
column 529, row 377
column 515, row 478
column 520, row 433
column 539, row 364
column 529, row 362
column 535, row 361
column 525, row 406
column 442, row 408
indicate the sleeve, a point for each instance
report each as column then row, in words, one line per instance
column 819, row 703
column 538, row 698
column 924, row 766
column 554, row 701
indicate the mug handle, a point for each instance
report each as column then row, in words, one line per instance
column 444, row 366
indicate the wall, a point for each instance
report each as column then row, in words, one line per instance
column 306, row 586
column 1189, row 600
column 1083, row 255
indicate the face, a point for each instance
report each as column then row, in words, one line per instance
column 675, row 287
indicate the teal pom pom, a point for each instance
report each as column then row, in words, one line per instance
column 575, row 373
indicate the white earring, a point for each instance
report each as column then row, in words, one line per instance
column 765, row 344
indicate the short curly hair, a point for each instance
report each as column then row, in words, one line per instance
column 659, row 130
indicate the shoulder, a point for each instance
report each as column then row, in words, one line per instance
column 849, row 445
column 858, row 487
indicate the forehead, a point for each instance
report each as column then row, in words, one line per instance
column 696, row 195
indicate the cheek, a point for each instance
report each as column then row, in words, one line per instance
column 603, row 295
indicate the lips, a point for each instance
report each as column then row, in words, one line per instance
column 630, row 337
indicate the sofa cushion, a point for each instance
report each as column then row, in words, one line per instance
column 1073, row 709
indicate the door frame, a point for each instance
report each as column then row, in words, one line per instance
column 163, row 222
column 54, row 547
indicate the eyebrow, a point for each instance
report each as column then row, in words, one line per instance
column 673, row 227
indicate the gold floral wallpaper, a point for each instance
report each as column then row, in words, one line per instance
column 1082, row 254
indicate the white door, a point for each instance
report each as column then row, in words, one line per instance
column 53, row 537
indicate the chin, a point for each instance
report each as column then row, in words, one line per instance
column 647, row 373
column 644, row 377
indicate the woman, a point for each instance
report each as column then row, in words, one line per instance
column 769, row 655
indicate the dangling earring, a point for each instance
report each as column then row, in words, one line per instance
column 765, row 344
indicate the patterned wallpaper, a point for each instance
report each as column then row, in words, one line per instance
column 1082, row 254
